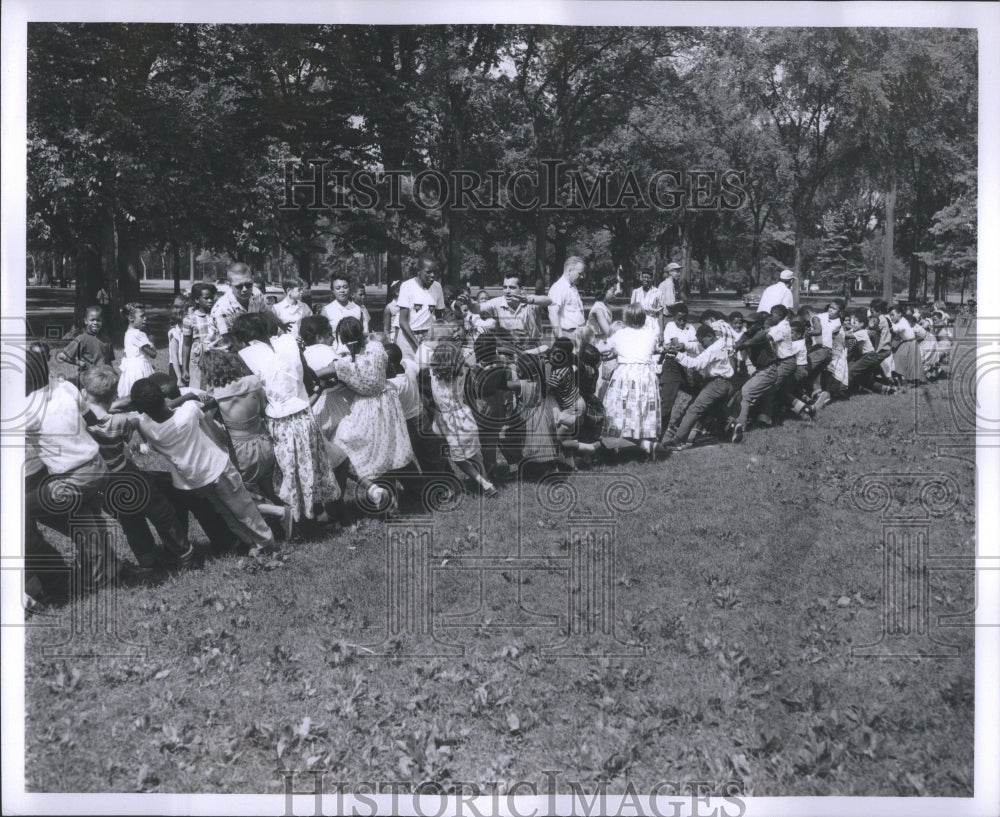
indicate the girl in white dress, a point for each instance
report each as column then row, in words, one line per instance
column 139, row 350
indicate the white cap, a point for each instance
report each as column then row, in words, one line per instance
column 787, row 275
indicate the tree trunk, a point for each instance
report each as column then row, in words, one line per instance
column 175, row 262
column 302, row 259
column 798, row 267
column 914, row 282
column 453, row 267
column 129, row 269
column 888, row 241
column 541, row 247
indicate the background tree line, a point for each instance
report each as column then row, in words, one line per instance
column 858, row 147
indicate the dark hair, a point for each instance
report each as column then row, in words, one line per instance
column 798, row 325
column 861, row 314
column 250, row 326
column 734, row 315
column 130, row 309
column 351, row 334
column 197, row 289
column 166, row 382
column 313, row 327
column 609, row 282
column 679, row 309
column 101, row 382
column 220, row 367
column 805, row 312
column 292, row 283
column 704, row 331
column 485, row 348
column 146, row 396
column 341, row 276
column 561, row 354
column 711, row 315
column 779, row 310
column 447, row 361
column 94, row 308
column 394, row 359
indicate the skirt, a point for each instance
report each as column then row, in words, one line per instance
column 303, row 477
column 908, row 362
column 133, row 369
column 460, row 430
column 632, row 403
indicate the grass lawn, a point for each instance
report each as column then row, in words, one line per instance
column 745, row 580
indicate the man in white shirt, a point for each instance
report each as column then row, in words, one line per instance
column 566, row 308
column 420, row 298
column 649, row 296
column 779, row 292
column 514, row 310
column 670, row 286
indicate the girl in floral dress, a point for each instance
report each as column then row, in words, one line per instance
column 139, row 350
column 909, row 365
column 304, row 477
column 373, row 436
column 453, row 418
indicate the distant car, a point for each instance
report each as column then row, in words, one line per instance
column 273, row 294
column 814, row 287
column 752, row 299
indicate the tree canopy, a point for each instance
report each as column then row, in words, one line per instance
column 725, row 149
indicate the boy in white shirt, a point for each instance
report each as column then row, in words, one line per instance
column 197, row 464
column 714, row 365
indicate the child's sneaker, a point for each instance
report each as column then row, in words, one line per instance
column 822, row 400
column 738, row 433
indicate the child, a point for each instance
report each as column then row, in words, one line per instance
column 139, row 350
column 64, row 479
column 197, row 464
column 453, row 418
column 780, row 333
column 373, row 436
column 793, row 393
column 390, row 315
column 673, row 377
column 923, row 330
column 758, row 391
column 91, row 347
column 862, row 368
column 306, row 475
column 198, row 333
column 240, row 398
column 716, row 368
column 563, row 385
column 908, row 363
column 632, row 402
column 291, row 310
column 331, row 402
column 532, row 430
column 175, row 335
column 130, row 496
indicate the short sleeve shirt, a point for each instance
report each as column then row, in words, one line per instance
column 195, row 461
column 54, row 425
column 568, row 305
column 422, row 303
column 227, row 309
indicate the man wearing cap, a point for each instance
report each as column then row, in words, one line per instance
column 670, row 286
column 779, row 292
column 566, row 308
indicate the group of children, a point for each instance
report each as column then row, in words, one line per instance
column 286, row 413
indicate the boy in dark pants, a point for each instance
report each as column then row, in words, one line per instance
column 131, row 497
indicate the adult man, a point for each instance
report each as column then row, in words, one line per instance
column 566, row 307
column 419, row 299
column 241, row 298
column 649, row 296
column 670, row 290
column 779, row 292
column 514, row 310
